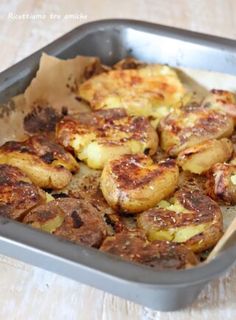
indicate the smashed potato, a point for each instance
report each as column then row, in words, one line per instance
column 98, row 137
column 46, row 163
column 221, row 182
column 133, row 183
column 191, row 218
column 221, row 100
column 199, row 158
column 17, row 193
column 159, row 255
column 148, row 91
column 193, row 125
column 69, row 218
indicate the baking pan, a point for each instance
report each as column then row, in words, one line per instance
column 112, row 40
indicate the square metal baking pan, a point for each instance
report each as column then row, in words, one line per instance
column 112, row 40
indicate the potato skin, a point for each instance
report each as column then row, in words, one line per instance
column 71, row 219
column 220, row 185
column 191, row 126
column 45, row 162
column 100, row 136
column 133, row 183
column 17, row 193
column 197, row 221
column 159, row 255
column 199, row 158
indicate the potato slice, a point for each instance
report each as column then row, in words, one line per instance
column 221, row 182
column 191, row 218
column 159, row 255
column 98, row 137
column 133, row 183
column 201, row 157
column 191, row 126
column 45, row 162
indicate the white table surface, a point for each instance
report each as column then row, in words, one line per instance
column 28, row 292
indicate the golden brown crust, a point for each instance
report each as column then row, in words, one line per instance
column 193, row 125
column 46, row 163
column 201, row 157
column 78, row 221
column 17, row 194
column 100, row 136
column 222, row 100
column 190, row 209
column 141, row 90
column 133, row 183
column 159, row 254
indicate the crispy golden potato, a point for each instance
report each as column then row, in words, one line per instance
column 72, row 219
column 193, row 125
column 199, row 158
column 98, row 137
column 148, row 91
column 221, row 182
column 17, row 193
column 190, row 217
column 221, row 100
column 46, row 163
column 133, row 183
column 159, row 255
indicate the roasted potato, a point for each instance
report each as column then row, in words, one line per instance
column 98, row 137
column 192, row 125
column 221, row 100
column 87, row 187
column 199, row 158
column 17, row 193
column 133, row 183
column 192, row 181
column 221, row 182
column 72, row 219
column 190, row 217
column 45, row 162
column 148, row 91
column 134, row 246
